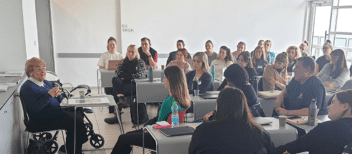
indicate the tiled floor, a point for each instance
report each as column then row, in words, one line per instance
column 109, row 132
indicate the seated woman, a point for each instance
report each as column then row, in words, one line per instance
column 241, row 46
column 258, row 60
column 303, row 48
column 324, row 59
column 42, row 102
column 328, row 137
column 261, row 44
column 224, row 60
column 181, row 55
column 292, row 54
column 175, row 83
column 336, row 73
column 132, row 67
column 233, row 129
column 269, row 54
column 200, row 61
column 236, row 76
column 211, row 55
column 244, row 60
column 274, row 76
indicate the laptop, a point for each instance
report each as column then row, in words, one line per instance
column 210, row 95
column 113, row 64
column 177, row 131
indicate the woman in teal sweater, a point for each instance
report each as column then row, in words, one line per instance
column 175, row 83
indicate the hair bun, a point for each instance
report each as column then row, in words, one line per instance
column 328, row 41
column 306, row 42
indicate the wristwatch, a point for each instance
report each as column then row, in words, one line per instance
column 149, row 56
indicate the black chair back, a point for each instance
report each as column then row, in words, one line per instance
column 25, row 114
column 260, row 85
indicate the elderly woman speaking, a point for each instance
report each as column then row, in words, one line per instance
column 42, row 101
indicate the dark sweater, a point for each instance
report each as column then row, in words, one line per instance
column 321, row 61
column 251, row 72
column 224, row 138
column 326, row 138
column 144, row 57
column 259, row 66
column 205, row 79
column 39, row 103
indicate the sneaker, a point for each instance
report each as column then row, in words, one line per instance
column 87, row 110
column 62, row 150
column 112, row 120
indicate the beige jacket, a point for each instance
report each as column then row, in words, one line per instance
column 272, row 78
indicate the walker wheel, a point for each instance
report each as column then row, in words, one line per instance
column 50, row 147
column 45, row 136
column 97, row 141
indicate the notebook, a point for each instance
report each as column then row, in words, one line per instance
column 113, row 64
column 177, row 131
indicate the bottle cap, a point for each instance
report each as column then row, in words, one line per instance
column 174, row 102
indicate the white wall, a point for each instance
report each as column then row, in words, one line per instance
column 30, row 28
column 225, row 22
column 12, row 41
column 82, row 27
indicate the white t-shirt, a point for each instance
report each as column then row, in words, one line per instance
column 106, row 56
column 219, row 68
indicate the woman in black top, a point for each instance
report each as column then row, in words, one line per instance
column 132, row 67
column 292, row 54
column 200, row 70
column 232, row 131
column 328, row 137
column 258, row 60
column 236, row 76
column 244, row 60
column 324, row 59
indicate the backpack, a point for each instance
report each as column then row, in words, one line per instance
column 42, row 147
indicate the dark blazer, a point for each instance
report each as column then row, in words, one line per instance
column 206, row 82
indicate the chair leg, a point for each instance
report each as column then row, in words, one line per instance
column 63, row 137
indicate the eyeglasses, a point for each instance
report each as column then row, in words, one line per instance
column 267, row 44
column 325, row 48
column 40, row 68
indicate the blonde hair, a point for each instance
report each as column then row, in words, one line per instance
column 204, row 58
column 297, row 54
column 30, row 63
column 135, row 49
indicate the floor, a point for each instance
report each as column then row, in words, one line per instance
column 109, row 132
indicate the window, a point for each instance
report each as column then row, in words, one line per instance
column 315, row 40
column 340, row 42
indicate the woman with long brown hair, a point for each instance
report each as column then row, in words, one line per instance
column 223, row 61
column 274, row 76
column 258, row 60
column 233, row 130
column 175, row 83
column 181, row 56
column 336, row 73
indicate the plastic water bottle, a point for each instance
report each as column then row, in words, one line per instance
column 348, row 149
column 175, row 119
column 312, row 116
column 195, row 84
column 213, row 71
column 150, row 75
